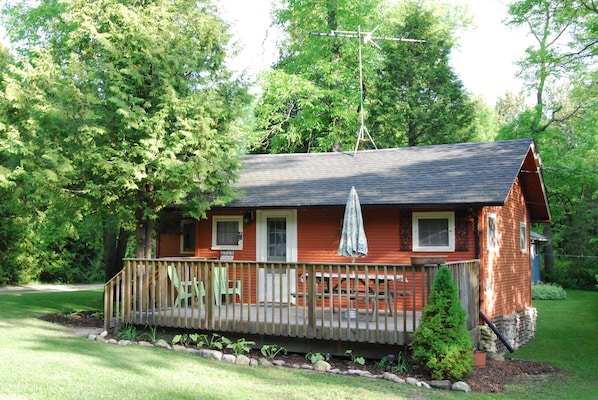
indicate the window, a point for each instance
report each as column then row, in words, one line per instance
column 227, row 232
column 492, row 232
column 433, row 231
column 188, row 236
column 523, row 237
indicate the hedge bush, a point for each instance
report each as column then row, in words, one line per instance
column 548, row 291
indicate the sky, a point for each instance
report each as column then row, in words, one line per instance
column 484, row 61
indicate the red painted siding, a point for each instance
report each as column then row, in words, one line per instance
column 506, row 273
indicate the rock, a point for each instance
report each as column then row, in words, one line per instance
column 278, row 363
column 125, row 342
column 162, row 344
column 92, row 336
column 322, row 366
column 111, row 341
column 210, row 354
column 104, row 334
column 307, row 366
column 423, row 385
column 334, row 371
column 144, row 343
column 253, row 362
column 229, row 358
column 264, row 362
column 358, row 372
column 100, row 339
column 178, row 347
column 392, row 377
column 491, row 355
column 242, row 360
column 461, row 387
column 443, row 384
column 411, row 381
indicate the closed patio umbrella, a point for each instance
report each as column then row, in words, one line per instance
column 353, row 241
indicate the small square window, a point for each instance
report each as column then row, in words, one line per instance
column 492, row 234
column 188, row 236
column 433, row 231
column 227, row 232
column 523, row 237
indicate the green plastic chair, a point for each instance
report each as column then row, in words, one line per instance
column 186, row 289
column 225, row 286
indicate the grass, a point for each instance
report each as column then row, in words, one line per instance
column 41, row 360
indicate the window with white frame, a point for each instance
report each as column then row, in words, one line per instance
column 492, row 232
column 188, row 236
column 523, row 237
column 434, row 231
column 227, row 232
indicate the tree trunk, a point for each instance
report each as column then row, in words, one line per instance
column 144, row 236
column 115, row 247
column 548, row 251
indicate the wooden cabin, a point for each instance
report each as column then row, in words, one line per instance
column 469, row 206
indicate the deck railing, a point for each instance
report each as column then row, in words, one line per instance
column 347, row 302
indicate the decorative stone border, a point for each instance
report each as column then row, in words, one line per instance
column 319, row 366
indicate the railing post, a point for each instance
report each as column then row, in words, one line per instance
column 311, row 298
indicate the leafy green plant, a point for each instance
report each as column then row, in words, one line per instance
column 441, row 343
column 355, row 359
column 128, row 332
column 241, row 346
column 272, row 350
column 397, row 365
column 548, row 291
column 151, row 333
column 70, row 313
column 314, row 357
column 200, row 339
column 97, row 315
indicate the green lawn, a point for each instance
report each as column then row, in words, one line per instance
column 40, row 360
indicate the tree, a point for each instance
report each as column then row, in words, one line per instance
column 311, row 101
column 560, row 71
column 131, row 108
column 441, row 343
column 417, row 97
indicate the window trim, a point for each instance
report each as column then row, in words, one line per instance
column 220, row 218
column 182, row 248
column 491, row 219
column 523, row 237
column 449, row 215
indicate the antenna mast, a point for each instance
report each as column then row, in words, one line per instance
column 367, row 37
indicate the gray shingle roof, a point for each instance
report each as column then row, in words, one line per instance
column 427, row 176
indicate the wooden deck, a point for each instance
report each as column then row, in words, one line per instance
column 354, row 303
column 290, row 321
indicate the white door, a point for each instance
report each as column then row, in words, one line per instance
column 276, row 243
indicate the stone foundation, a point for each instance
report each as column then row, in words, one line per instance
column 517, row 328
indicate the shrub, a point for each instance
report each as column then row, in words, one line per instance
column 548, row 291
column 441, row 343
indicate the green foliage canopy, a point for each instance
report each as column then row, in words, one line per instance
column 128, row 106
column 311, row 100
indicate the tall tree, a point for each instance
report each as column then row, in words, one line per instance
column 418, row 98
column 132, row 107
column 560, row 71
column 311, row 101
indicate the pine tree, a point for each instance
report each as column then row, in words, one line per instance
column 441, row 343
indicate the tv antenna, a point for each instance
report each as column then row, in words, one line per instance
column 366, row 37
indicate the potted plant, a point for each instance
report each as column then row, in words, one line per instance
column 479, row 358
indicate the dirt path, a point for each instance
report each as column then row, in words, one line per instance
column 48, row 288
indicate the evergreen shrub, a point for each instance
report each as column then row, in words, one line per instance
column 441, row 343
